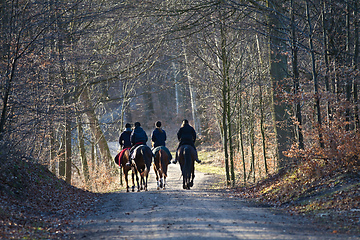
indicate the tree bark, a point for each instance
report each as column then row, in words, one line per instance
column 278, row 72
column 96, row 130
column 314, row 76
column 84, row 162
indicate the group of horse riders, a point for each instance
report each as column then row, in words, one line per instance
column 132, row 138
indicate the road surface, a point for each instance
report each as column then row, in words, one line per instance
column 199, row 213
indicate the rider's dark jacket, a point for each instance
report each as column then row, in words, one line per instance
column 186, row 135
column 138, row 135
column 124, row 139
column 158, row 136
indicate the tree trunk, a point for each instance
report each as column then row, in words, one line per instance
column 314, row 76
column 298, row 117
column 96, row 131
column 326, row 60
column 278, row 69
column 355, row 65
column 241, row 138
column 262, row 114
column 192, row 93
column 84, row 162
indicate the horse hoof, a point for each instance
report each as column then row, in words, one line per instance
column 158, row 188
column 184, row 187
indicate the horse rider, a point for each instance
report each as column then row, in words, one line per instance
column 124, row 139
column 138, row 137
column 158, row 138
column 186, row 136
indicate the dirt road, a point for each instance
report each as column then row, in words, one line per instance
column 198, row 213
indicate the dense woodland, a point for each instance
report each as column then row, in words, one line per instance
column 269, row 83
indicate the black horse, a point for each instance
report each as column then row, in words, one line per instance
column 186, row 156
column 142, row 158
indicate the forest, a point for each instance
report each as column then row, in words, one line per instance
column 270, row 84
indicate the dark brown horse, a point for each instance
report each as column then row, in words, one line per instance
column 121, row 159
column 161, row 162
column 142, row 162
column 186, row 157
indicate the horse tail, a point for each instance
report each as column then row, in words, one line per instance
column 147, row 155
column 188, row 159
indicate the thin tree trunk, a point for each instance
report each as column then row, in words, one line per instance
column 192, row 93
column 326, row 59
column 355, row 65
column 262, row 115
column 298, row 116
column 348, row 80
column 84, row 162
column 252, row 133
column 314, row 76
column 176, row 73
column 241, row 138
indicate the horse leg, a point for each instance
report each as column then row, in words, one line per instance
column 191, row 183
column 137, row 180
column 141, row 181
column 184, row 183
column 126, row 179
column 146, row 181
column 133, row 181
column 157, row 177
column 161, row 183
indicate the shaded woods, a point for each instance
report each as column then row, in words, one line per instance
column 273, row 85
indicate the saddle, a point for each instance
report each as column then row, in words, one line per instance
column 155, row 150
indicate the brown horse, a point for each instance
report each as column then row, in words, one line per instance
column 141, row 162
column 186, row 157
column 161, row 162
column 124, row 156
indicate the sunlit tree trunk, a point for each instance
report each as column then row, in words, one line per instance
column 241, row 139
column 96, row 131
column 261, row 103
column 192, row 93
column 252, row 134
column 84, row 162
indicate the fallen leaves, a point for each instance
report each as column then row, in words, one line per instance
column 330, row 199
column 35, row 204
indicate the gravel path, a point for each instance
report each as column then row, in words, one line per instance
column 199, row 213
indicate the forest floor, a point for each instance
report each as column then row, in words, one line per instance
column 36, row 205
